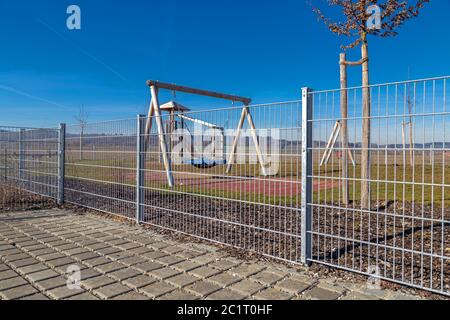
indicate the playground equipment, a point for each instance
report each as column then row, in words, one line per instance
column 177, row 110
column 331, row 143
column 177, row 120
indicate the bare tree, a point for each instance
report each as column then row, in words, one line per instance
column 82, row 119
column 359, row 22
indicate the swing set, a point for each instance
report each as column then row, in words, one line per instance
column 178, row 111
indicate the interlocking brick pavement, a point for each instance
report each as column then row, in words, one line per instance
column 123, row 262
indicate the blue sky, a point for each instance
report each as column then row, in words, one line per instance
column 262, row 49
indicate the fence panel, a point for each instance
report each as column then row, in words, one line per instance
column 29, row 168
column 403, row 234
column 100, row 169
column 251, row 207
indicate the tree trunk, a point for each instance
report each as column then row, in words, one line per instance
column 344, row 128
column 81, row 143
column 365, row 153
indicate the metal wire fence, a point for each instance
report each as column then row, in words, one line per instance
column 403, row 233
column 29, row 168
column 278, row 179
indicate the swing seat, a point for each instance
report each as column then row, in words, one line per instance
column 205, row 163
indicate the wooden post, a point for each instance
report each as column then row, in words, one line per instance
column 162, row 141
column 365, row 154
column 255, row 141
column 232, row 157
column 344, row 128
column 246, row 114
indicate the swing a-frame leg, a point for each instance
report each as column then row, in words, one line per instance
column 331, row 143
column 155, row 112
column 246, row 114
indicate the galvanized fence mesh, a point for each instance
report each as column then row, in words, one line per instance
column 278, row 179
column 100, row 166
column 402, row 234
column 252, row 204
column 29, row 168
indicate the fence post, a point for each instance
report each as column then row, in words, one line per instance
column 140, row 166
column 61, row 161
column 306, row 221
column 21, row 157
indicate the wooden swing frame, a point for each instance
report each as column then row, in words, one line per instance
column 155, row 112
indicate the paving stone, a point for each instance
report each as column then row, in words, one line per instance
column 321, row 294
column 224, row 279
column 61, row 262
column 111, row 291
column 266, row 278
column 189, row 254
column 139, row 281
column 7, row 252
column 182, row 280
column 179, row 295
column 32, row 268
column 36, row 247
column 159, row 245
column 128, row 246
column 169, row 260
column 204, row 272
column 247, row 270
column 86, row 296
column 36, row 296
column 139, row 251
column 157, row 289
column 120, row 255
column 23, row 262
column 64, row 292
column 78, row 250
column 292, row 286
column 52, row 283
column 131, row 296
column 12, row 283
column 164, row 273
column 403, row 297
column 131, row 261
column 96, row 282
column 358, row 296
column 97, row 246
column 186, row 266
column 51, row 256
column 42, row 252
column 203, row 288
column 18, row 256
column 3, row 267
column 18, row 292
column 108, row 251
column 205, row 259
column 173, row 249
column 152, row 255
column 226, row 294
column 41, row 275
column 85, row 256
column 247, row 287
column 273, row 294
column 109, row 267
column 223, row 264
column 97, row 262
column 7, row 275
column 124, row 274
column 148, row 266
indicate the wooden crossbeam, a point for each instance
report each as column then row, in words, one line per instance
column 207, row 93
